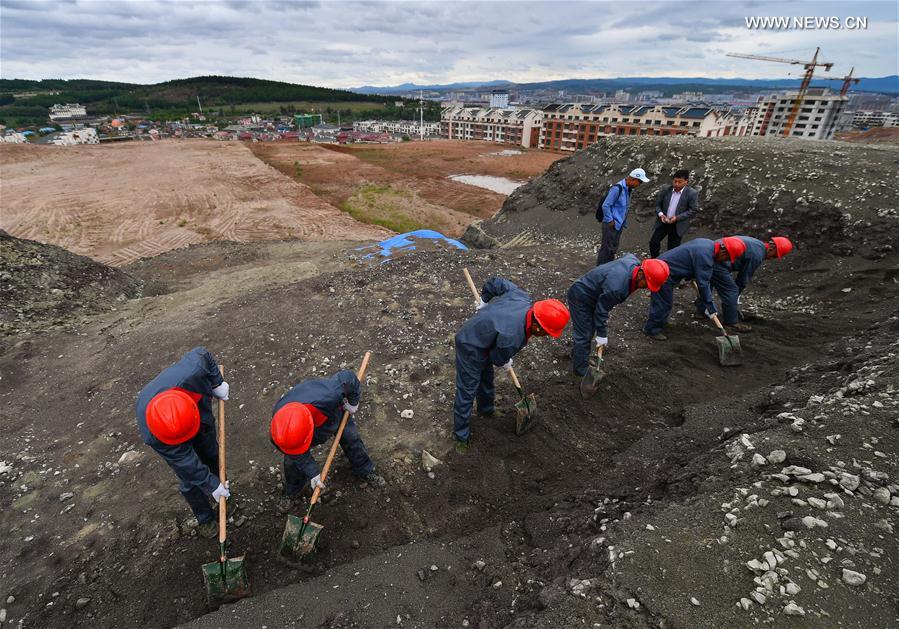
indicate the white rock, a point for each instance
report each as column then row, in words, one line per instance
column 776, row 457
column 407, row 414
column 745, row 603
column 129, row 457
column 818, row 503
column 66, row 495
column 758, row 460
column 795, row 470
column 429, row 461
column 756, row 566
column 792, row 609
column 770, row 559
column 792, row 589
column 811, row 522
column 882, row 495
column 851, row 577
column 834, row 501
column 817, row 477
column 758, row 597
column 849, row 481
column 694, row 601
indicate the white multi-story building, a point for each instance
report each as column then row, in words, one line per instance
column 67, row 112
column 13, row 137
column 570, row 127
column 403, row 127
column 818, row 116
column 499, row 99
column 506, row 126
column 864, row 119
column 88, row 135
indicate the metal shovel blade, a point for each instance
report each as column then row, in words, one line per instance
column 590, row 381
column 525, row 414
column 729, row 351
column 225, row 583
column 298, row 541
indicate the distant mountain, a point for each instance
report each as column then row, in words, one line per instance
column 885, row 84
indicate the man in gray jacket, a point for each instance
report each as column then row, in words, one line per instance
column 675, row 206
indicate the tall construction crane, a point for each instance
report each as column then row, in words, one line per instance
column 806, row 81
column 847, row 81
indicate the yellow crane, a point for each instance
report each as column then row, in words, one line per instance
column 806, row 80
column 847, row 81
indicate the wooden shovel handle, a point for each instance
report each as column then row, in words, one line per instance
column 600, row 349
column 223, row 516
column 474, row 289
column 514, row 379
column 714, row 318
column 346, row 416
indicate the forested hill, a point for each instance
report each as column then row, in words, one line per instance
column 23, row 100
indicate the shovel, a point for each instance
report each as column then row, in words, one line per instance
column 526, row 408
column 595, row 374
column 729, row 351
column 301, row 535
column 730, row 354
column 226, row 579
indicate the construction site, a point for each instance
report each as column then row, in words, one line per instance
column 683, row 494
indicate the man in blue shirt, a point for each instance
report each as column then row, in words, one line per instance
column 612, row 213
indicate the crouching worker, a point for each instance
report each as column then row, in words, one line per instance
column 174, row 417
column 592, row 297
column 308, row 415
column 501, row 327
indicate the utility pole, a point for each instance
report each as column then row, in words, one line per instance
column 116, row 101
column 421, row 111
column 199, row 105
column 338, row 117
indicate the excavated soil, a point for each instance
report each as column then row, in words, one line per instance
column 614, row 512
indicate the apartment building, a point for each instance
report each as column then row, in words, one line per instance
column 402, row 127
column 571, row 127
column 505, row 126
column 818, row 117
column 866, row 119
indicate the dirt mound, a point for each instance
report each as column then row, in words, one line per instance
column 826, row 195
column 44, row 286
column 877, row 135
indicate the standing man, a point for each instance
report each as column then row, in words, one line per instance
column 745, row 266
column 612, row 213
column 675, row 206
column 174, row 417
column 593, row 296
column 693, row 260
column 310, row 414
column 501, row 327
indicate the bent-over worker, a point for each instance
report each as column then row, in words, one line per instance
column 592, row 297
column 501, row 327
column 174, row 417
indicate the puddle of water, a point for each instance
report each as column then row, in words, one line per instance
column 497, row 184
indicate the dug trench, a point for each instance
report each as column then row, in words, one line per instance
column 124, row 547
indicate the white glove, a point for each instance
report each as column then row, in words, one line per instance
column 738, row 300
column 221, row 391
column 349, row 407
column 221, row 491
column 481, row 304
column 508, row 365
column 601, row 341
column 316, row 481
column 709, row 313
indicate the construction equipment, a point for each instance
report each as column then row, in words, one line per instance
column 595, row 374
column 526, row 408
column 301, row 535
column 226, row 579
column 803, row 88
column 730, row 354
column 847, row 81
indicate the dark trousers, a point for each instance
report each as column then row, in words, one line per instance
column 662, row 230
column 474, row 380
column 205, row 444
column 582, row 331
column 295, row 479
column 610, row 239
column 723, row 282
column 660, row 303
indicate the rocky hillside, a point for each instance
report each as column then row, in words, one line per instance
column 830, row 196
column 44, row 286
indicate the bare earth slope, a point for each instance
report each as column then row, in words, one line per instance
column 546, row 530
column 123, row 202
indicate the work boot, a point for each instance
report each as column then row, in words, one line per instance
column 209, row 529
column 494, row 414
column 374, row 479
column 575, row 378
column 739, row 326
column 462, row 447
column 658, row 336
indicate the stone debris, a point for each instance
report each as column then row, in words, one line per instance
column 792, row 609
column 429, row 461
column 851, row 577
column 776, row 457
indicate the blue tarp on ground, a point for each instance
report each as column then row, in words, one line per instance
column 405, row 243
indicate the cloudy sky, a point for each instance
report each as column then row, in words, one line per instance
column 346, row 44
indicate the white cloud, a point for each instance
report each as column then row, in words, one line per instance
column 344, row 44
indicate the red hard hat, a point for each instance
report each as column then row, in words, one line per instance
column 173, row 417
column 784, row 246
column 292, row 428
column 656, row 273
column 735, row 247
column 552, row 315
